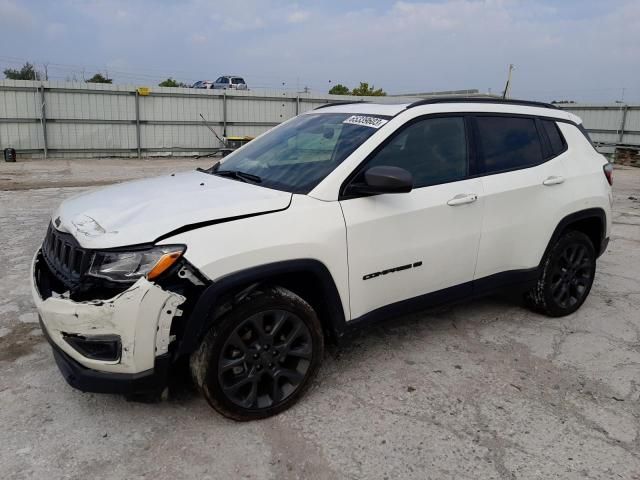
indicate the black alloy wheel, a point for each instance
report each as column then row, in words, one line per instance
column 566, row 275
column 265, row 359
column 260, row 356
column 571, row 276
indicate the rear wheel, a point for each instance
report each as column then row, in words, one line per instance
column 261, row 356
column 567, row 274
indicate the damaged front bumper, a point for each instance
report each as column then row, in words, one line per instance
column 119, row 345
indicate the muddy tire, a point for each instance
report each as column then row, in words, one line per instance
column 261, row 356
column 566, row 276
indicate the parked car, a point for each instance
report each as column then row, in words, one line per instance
column 230, row 82
column 203, row 84
column 343, row 216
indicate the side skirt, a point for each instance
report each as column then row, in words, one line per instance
column 510, row 281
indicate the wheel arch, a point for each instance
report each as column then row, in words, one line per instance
column 308, row 278
column 591, row 221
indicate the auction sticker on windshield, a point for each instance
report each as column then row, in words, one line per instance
column 365, row 121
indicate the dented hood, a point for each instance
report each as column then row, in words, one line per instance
column 141, row 211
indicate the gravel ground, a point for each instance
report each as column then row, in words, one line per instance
column 481, row 390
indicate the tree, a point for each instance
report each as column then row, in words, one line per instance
column 170, row 82
column 339, row 89
column 27, row 72
column 99, row 78
column 364, row 90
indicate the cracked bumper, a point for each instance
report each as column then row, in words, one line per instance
column 140, row 317
column 89, row 380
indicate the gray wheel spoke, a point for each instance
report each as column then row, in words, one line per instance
column 238, row 385
column 227, row 364
column 276, row 393
column 302, row 352
column 257, row 321
column 236, row 341
column 293, row 335
column 293, row 376
column 253, row 394
column 280, row 320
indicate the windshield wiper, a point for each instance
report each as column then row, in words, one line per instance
column 238, row 175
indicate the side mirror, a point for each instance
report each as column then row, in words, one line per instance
column 384, row 179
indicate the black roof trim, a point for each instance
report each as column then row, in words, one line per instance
column 526, row 103
column 333, row 104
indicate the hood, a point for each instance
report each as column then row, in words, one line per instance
column 141, row 211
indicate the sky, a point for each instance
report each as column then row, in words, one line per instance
column 582, row 50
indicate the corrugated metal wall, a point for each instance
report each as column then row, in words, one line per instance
column 609, row 125
column 83, row 119
column 86, row 119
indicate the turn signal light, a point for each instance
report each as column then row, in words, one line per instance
column 163, row 264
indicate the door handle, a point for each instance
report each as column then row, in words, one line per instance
column 462, row 198
column 553, row 180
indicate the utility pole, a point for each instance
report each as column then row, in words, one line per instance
column 507, row 87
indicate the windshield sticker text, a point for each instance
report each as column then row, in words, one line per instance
column 365, row 121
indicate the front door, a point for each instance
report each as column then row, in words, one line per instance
column 403, row 246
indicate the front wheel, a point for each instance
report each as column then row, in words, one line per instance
column 566, row 277
column 261, row 356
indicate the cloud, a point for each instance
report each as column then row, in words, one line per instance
column 585, row 49
column 13, row 15
column 198, row 39
column 299, row 16
column 55, row 30
column 242, row 24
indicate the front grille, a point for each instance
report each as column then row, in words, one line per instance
column 66, row 259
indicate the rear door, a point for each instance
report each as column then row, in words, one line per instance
column 523, row 182
column 403, row 246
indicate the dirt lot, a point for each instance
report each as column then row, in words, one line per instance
column 481, row 390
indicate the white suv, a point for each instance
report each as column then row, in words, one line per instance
column 344, row 215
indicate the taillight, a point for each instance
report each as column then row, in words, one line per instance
column 608, row 172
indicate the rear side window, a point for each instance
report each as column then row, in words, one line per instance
column 433, row 150
column 556, row 141
column 237, row 80
column 508, row 143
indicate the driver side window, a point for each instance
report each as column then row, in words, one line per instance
column 433, row 150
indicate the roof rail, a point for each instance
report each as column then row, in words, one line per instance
column 333, row 104
column 507, row 101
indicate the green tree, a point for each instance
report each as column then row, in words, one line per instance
column 339, row 89
column 365, row 90
column 99, row 78
column 170, row 82
column 27, row 72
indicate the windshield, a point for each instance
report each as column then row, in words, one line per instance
column 298, row 155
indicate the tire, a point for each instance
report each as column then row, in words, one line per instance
column 261, row 356
column 566, row 276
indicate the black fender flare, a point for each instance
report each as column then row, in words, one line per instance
column 598, row 213
column 200, row 319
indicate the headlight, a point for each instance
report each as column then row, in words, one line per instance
column 130, row 266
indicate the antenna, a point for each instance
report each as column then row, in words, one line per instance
column 204, row 120
column 507, row 87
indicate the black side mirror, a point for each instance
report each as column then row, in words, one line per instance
column 383, row 179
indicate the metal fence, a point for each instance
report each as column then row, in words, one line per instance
column 610, row 126
column 86, row 119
